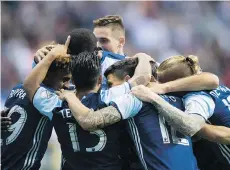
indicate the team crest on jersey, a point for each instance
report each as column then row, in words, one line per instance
column 46, row 94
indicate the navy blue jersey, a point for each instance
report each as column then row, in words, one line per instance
column 158, row 145
column 219, row 116
column 83, row 149
column 23, row 147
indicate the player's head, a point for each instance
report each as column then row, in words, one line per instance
column 82, row 40
column 122, row 71
column 178, row 67
column 110, row 33
column 59, row 75
column 86, row 71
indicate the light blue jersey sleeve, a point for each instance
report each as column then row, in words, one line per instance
column 108, row 59
column 109, row 94
column 128, row 105
column 199, row 103
column 45, row 101
column 33, row 64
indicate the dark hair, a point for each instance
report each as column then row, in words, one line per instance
column 62, row 64
column 82, row 40
column 113, row 21
column 126, row 67
column 85, row 69
column 122, row 68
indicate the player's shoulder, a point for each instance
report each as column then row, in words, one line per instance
column 107, row 54
column 93, row 100
column 196, row 94
column 17, row 92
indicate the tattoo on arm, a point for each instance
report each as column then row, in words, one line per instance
column 100, row 118
column 139, row 80
column 183, row 122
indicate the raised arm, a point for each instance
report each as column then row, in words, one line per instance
column 143, row 71
column 202, row 81
column 187, row 124
column 38, row 74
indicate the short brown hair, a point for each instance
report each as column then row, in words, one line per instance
column 178, row 67
column 113, row 21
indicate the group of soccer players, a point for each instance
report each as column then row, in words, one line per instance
column 112, row 112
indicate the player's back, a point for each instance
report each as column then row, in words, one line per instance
column 83, row 149
column 159, row 146
column 221, row 115
column 24, row 145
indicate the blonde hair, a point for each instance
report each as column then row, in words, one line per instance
column 113, row 21
column 177, row 67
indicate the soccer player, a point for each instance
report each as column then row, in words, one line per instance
column 110, row 33
column 81, row 149
column 25, row 141
column 158, row 145
column 198, row 103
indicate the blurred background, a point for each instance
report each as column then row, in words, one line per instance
column 160, row 29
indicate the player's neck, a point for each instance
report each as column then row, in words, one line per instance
column 121, row 52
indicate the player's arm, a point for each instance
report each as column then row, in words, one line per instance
column 202, row 81
column 87, row 118
column 38, row 74
column 5, row 121
column 188, row 124
column 218, row 134
column 41, row 53
column 122, row 107
column 184, row 123
column 143, row 71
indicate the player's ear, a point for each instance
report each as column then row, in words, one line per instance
column 122, row 41
column 127, row 77
column 100, row 79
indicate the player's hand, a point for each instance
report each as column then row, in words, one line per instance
column 143, row 56
column 63, row 94
column 157, row 87
column 41, row 53
column 60, row 51
column 144, row 93
column 5, row 121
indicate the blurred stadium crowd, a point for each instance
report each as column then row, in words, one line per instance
column 160, row 29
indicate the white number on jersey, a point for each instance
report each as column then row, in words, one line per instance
column 227, row 102
column 165, row 134
column 75, row 143
column 16, row 128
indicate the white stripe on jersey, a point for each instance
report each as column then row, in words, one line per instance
column 31, row 155
column 136, row 138
column 225, row 152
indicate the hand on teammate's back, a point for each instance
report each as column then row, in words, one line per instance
column 63, row 94
column 5, row 121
